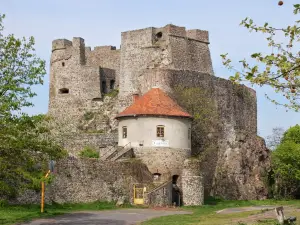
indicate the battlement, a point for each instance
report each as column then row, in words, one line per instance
column 199, row 35
column 170, row 30
column 61, row 44
column 105, row 48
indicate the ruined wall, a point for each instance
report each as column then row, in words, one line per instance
column 89, row 180
column 192, row 183
column 76, row 80
column 76, row 142
column 108, row 59
column 72, row 83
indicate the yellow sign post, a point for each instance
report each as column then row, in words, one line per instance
column 43, row 193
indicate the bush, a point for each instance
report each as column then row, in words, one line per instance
column 89, row 152
column 284, row 179
column 113, row 93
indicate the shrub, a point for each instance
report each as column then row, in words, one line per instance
column 89, row 152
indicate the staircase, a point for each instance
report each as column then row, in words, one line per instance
column 117, row 152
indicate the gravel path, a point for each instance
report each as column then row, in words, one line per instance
column 245, row 209
column 112, row 217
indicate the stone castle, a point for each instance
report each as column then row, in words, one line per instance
column 121, row 102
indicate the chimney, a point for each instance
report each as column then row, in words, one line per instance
column 135, row 97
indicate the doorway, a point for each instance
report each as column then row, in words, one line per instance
column 176, row 193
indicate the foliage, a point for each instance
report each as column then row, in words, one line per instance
column 279, row 69
column 19, row 70
column 25, row 141
column 113, row 93
column 274, row 140
column 292, row 134
column 198, row 103
column 88, row 115
column 286, row 165
column 89, row 152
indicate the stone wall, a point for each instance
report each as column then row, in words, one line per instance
column 163, row 160
column 89, row 180
column 169, row 47
column 192, row 183
column 77, row 77
column 161, row 196
column 75, row 142
column 236, row 110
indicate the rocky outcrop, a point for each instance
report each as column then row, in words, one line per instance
column 241, row 168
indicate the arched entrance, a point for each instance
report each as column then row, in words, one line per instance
column 176, row 193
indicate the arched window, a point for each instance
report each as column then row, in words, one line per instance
column 160, row 131
column 189, row 134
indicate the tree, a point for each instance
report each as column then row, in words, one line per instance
column 286, row 164
column 280, row 69
column 292, row 134
column 274, row 140
column 25, row 141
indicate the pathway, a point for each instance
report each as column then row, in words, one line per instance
column 111, row 217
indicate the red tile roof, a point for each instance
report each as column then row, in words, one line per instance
column 154, row 102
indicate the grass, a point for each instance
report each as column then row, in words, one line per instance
column 23, row 213
column 202, row 215
column 206, row 214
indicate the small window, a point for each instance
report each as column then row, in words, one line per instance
column 112, row 84
column 189, row 133
column 63, row 64
column 124, row 132
column 64, row 91
column 160, row 131
column 158, row 35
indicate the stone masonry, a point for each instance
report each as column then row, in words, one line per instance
column 88, row 88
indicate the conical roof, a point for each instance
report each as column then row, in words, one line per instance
column 156, row 103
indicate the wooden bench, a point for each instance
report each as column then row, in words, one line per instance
column 281, row 219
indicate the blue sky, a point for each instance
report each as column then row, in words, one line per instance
column 100, row 22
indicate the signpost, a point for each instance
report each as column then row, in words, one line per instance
column 43, row 192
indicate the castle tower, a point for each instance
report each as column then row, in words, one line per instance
column 158, row 130
column 154, row 50
column 73, row 84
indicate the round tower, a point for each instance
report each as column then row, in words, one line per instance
column 192, row 183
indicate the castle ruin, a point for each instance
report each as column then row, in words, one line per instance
column 89, row 90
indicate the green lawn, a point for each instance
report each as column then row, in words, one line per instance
column 13, row 214
column 206, row 215
column 202, row 215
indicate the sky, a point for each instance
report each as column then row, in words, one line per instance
column 100, row 22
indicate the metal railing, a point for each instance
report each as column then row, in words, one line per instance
column 114, row 153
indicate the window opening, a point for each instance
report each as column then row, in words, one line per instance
column 160, row 131
column 104, row 90
column 158, row 35
column 64, row 91
column 112, row 84
column 124, row 132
